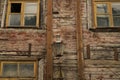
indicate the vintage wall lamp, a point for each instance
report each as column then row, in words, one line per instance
column 58, row 50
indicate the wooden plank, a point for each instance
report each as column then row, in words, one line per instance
column 88, row 51
column 49, row 62
column 79, row 40
column 29, row 49
column 116, row 54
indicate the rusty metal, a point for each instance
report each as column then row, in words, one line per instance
column 79, row 39
column 49, row 61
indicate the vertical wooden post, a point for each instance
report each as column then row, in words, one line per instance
column 88, row 51
column 90, row 76
column 49, row 61
column 115, row 54
column 79, row 40
column 29, row 49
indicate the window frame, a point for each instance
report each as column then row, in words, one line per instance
column 109, row 4
column 22, row 13
column 18, row 68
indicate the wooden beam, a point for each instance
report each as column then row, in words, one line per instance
column 49, row 62
column 88, row 51
column 116, row 54
column 29, row 49
column 79, row 40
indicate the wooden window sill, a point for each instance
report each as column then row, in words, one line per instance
column 23, row 27
column 105, row 29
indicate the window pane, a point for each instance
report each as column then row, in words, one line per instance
column 30, row 20
column 102, row 8
column 102, row 21
column 26, row 70
column 31, row 8
column 9, row 70
column 14, row 19
column 116, row 9
column 15, row 7
column 116, row 20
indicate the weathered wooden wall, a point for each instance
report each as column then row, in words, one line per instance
column 14, row 43
column 101, row 50
column 64, row 18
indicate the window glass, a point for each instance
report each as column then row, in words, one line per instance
column 102, row 20
column 14, row 19
column 9, row 70
column 116, row 9
column 22, row 13
column 31, row 8
column 26, row 70
column 116, row 20
column 102, row 8
column 15, row 7
column 116, row 13
column 30, row 20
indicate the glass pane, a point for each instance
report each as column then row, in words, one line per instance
column 103, row 21
column 102, row 8
column 30, row 20
column 9, row 70
column 15, row 7
column 31, row 8
column 116, row 9
column 116, row 20
column 14, row 19
column 26, row 70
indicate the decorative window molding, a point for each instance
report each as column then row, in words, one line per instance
column 23, row 13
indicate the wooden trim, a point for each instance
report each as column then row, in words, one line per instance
column 88, row 51
column 109, row 8
column 22, row 14
column 115, row 54
column 37, row 69
column 3, row 13
column 7, row 14
column 93, row 13
column 38, row 14
column 49, row 61
column 18, row 64
column 0, row 69
column 105, row 29
column 79, row 39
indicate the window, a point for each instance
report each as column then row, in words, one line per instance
column 18, row 70
column 107, row 13
column 23, row 13
column 30, row 14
